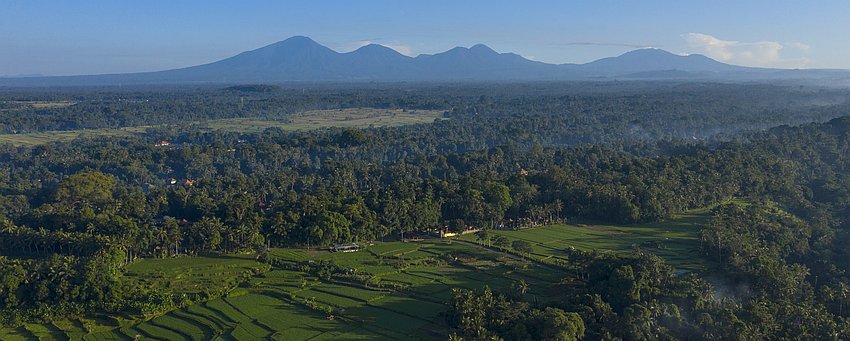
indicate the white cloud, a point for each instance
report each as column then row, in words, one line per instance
column 762, row 53
column 799, row 45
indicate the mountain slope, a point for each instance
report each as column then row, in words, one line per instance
column 647, row 60
column 481, row 63
column 300, row 59
column 296, row 58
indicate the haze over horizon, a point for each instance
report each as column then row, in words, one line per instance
column 424, row 170
column 96, row 37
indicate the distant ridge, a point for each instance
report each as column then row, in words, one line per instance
column 301, row 59
column 648, row 60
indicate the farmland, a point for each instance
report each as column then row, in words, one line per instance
column 315, row 119
column 360, row 118
column 192, row 274
column 182, row 275
column 183, row 213
column 30, row 139
column 20, row 105
column 675, row 240
column 408, row 284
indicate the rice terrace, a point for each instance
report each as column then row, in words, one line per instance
column 466, row 171
column 314, row 294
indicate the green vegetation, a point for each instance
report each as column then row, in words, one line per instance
column 29, row 139
column 583, row 200
column 360, row 118
column 192, row 274
column 675, row 239
column 408, row 284
column 38, row 105
column 315, row 119
column 200, row 277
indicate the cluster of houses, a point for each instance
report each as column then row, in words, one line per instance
column 167, row 144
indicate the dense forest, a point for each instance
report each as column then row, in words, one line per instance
column 507, row 156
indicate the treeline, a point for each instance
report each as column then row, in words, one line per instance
column 640, row 298
column 233, row 207
column 550, row 113
column 245, row 195
column 78, row 211
column 47, row 275
column 487, row 315
column 779, row 262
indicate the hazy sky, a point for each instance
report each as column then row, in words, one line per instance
column 98, row 36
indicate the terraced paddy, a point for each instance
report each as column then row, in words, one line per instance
column 193, row 274
column 408, row 286
column 402, row 293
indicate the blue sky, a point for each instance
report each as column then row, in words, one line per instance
column 97, row 36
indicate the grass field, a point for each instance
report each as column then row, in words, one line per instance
column 354, row 118
column 676, row 240
column 21, row 105
column 361, row 118
column 66, row 135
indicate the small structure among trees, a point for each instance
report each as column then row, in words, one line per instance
column 345, row 248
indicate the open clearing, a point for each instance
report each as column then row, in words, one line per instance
column 361, row 118
column 21, row 105
column 316, row 119
column 66, row 135
column 676, row 240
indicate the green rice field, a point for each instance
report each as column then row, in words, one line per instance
column 406, row 287
column 675, row 240
column 408, row 284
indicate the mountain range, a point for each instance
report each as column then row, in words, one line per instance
column 300, row 59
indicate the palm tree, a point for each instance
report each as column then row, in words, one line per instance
column 162, row 237
column 843, row 292
column 521, row 287
column 558, row 206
